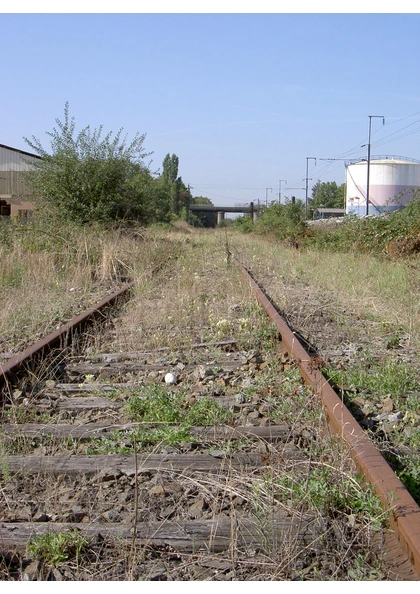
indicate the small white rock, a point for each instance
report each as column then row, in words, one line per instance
column 171, row 379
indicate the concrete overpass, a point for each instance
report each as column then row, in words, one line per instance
column 252, row 209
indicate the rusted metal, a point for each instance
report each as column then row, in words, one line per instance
column 61, row 335
column 405, row 517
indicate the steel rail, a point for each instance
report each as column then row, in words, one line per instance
column 61, row 335
column 405, row 513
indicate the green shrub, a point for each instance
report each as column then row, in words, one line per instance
column 85, row 177
column 395, row 234
column 243, row 224
column 282, row 221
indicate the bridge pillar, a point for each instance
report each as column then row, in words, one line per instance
column 220, row 216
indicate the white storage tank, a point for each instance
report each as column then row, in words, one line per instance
column 391, row 184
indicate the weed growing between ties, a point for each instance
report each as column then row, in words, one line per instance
column 347, row 516
column 26, row 414
column 164, row 418
column 332, row 493
column 326, row 488
column 146, row 439
column 56, row 548
column 4, row 466
column 155, row 404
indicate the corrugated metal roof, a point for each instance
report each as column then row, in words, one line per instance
column 15, row 160
column 10, row 148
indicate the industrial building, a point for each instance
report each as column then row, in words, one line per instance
column 14, row 196
column 392, row 181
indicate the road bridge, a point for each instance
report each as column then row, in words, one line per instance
column 251, row 208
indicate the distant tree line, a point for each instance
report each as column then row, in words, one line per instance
column 87, row 177
column 288, row 220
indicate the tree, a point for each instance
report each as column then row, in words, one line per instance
column 327, row 195
column 89, row 178
column 179, row 194
column 149, row 197
column 341, row 196
column 202, row 219
column 170, row 168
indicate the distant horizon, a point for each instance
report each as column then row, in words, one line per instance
column 248, row 102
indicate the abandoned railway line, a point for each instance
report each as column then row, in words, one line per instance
column 220, row 455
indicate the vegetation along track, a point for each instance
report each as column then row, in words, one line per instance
column 181, row 443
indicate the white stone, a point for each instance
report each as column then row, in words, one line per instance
column 171, row 379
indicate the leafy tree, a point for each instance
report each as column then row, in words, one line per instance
column 184, row 197
column 86, row 177
column 170, row 168
column 170, row 179
column 150, row 198
column 202, row 219
column 341, row 196
column 179, row 194
column 327, row 195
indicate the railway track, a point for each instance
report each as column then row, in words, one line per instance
column 189, row 462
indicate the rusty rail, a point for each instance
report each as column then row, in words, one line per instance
column 60, row 336
column 405, row 518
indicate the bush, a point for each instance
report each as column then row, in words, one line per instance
column 88, row 178
column 282, row 221
column 243, row 224
column 396, row 234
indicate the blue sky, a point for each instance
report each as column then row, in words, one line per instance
column 242, row 99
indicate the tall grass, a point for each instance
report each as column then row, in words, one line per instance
column 388, row 290
column 49, row 274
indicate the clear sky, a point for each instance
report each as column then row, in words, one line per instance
column 241, row 99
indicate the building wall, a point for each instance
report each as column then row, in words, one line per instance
column 13, row 162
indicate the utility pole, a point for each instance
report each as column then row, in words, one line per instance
column 306, row 196
column 368, row 160
column 281, row 180
column 266, row 195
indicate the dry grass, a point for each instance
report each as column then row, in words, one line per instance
column 43, row 286
column 175, row 274
column 192, row 295
column 186, row 288
column 365, row 285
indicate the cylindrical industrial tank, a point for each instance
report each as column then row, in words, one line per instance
column 391, row 184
